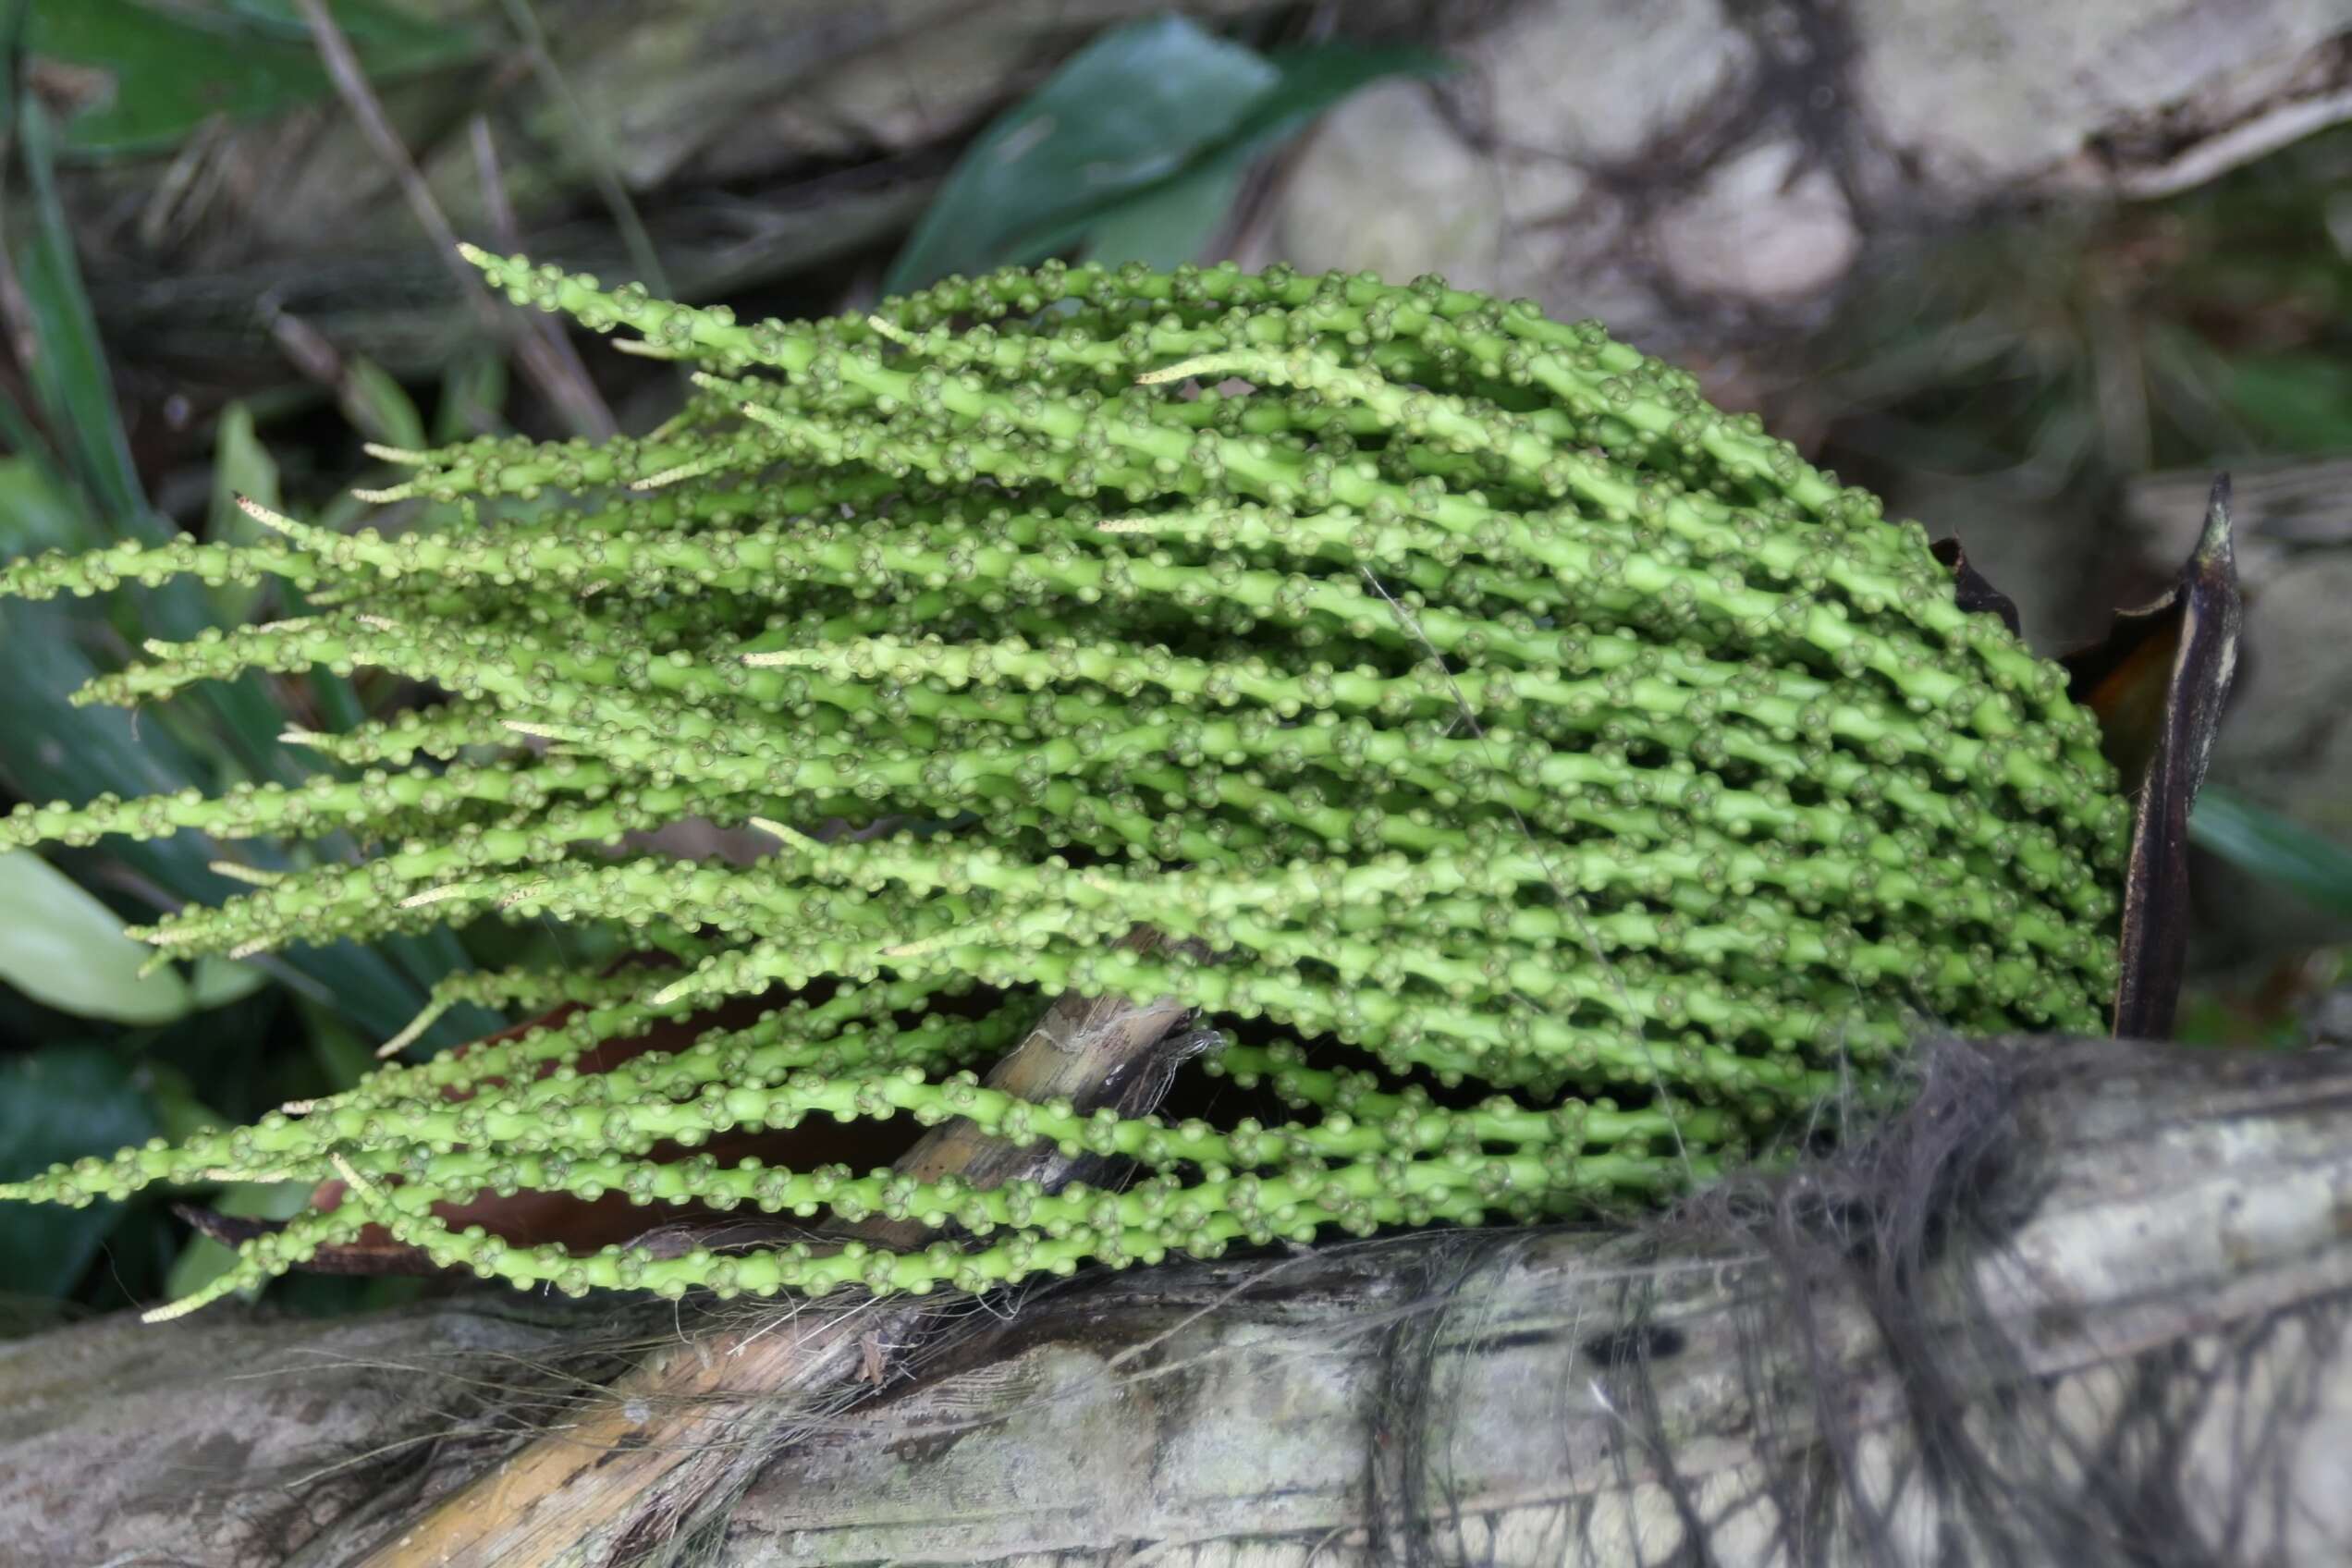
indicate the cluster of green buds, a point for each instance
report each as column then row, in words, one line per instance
column 1551, row 786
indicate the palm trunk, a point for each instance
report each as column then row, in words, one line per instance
column 2084, row 1302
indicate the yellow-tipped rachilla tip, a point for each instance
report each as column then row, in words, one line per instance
column 785, row 833
column 669, row 476
column 196, row 1300
column 523, row 894
column 361, row 1188
column 276, row 521
column 1206, row 366
column 413, row 1030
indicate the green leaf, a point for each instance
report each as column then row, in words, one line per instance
column 148, row 74
column 64, row 948
column 37, row 514
column 241, row 466
column 336, row 699
column 1139, row 143
column 473, row 394
column 54, row 749
column 1129, row 110
column 364, row 22
column 60, row 1103
column 2303, row 400
column 375, row 403
column 1167, row 225
column 2277, row 848
column 1313, row 79
column 66, row 367
column 217, row 982
column 1173, row 221
column 58, row 752
column 342, row 1060
column 171, row 1095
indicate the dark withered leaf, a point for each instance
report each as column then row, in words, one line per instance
column 362, row 1257
column 1970, row 589
column 2158, row 682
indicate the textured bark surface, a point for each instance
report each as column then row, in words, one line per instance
column 2086, row 1302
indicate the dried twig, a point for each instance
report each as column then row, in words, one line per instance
column 562, row 380
column 544, row 343
column 596, row 147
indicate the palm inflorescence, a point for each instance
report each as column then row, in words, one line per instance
column 1552, row 784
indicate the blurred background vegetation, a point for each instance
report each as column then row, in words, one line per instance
column 225, row 231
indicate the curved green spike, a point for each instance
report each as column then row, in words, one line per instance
column 1457, row 695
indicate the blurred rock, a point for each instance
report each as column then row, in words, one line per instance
column 1637, row 74
column 1442, row 199
column 1767, row 226
column 1704, row 175
column 2097, row 96
column 2283, row 509
column 1700, row 173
